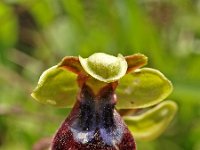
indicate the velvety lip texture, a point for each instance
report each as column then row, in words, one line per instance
column 94, row 124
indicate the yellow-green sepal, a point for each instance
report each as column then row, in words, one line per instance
column 56, row 86
column 104, row 67
column 142, row 88
column 153, row 122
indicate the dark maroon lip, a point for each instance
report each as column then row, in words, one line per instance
column 94, row 124
column 119, row 138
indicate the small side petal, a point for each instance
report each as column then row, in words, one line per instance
column 135, row 61
column 56, row 87
column 152, row 123
column 142, row 88
column 71, row 63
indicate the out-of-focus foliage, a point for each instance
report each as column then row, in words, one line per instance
column 36, row 34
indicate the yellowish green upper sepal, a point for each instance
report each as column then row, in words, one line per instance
column 57, row 87
column 152, row 123
column 104, row 67
column 142, row 88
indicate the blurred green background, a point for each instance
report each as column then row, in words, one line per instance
column 36, row 34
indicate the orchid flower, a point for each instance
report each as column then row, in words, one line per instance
column 113, row 101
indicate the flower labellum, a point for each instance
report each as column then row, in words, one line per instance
column 95, row 122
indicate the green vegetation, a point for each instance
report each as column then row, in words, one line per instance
column 37, row 34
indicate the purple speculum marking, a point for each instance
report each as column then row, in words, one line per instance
column 94, row 124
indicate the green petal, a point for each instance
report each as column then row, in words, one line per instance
column 57, row 87
column 104, row 67
column 135, row 61
column 152, row 123
column 142, row 88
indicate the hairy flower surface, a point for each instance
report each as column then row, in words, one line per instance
column 104, row 87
